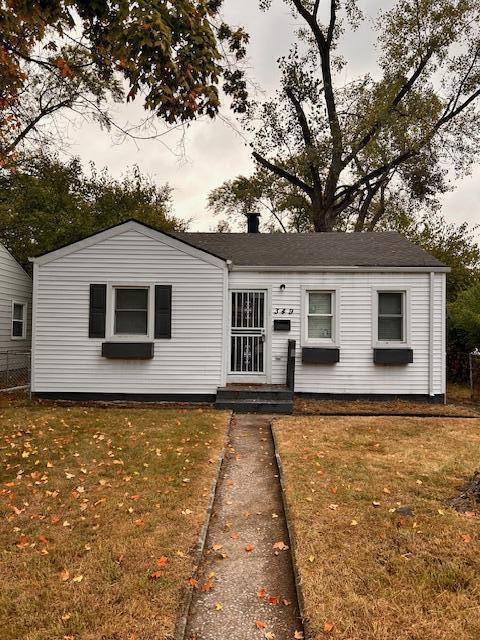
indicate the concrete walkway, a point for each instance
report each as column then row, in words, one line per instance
column 246, row 587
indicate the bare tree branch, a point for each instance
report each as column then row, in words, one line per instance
column 333, row 19
column 46, row 111
column 283, row 173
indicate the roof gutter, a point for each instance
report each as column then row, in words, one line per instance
column 343, row 269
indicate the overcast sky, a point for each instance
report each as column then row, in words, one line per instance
column 214, row 151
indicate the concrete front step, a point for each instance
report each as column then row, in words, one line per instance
column 263, row 393
column 255, row 405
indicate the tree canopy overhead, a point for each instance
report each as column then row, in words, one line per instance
column 173, row 54
column 346, row 147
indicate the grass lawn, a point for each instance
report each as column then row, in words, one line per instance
column 100, row 510
column 367, row 571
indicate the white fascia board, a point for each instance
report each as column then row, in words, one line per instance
column 338, row 269
column 131, row 225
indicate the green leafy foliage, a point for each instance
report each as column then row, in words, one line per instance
column 45, row 204
column 464, row 319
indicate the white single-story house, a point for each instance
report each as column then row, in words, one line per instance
column 15, row 315
column 135, row 313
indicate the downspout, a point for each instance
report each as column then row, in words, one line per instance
column 431, row 336
column 226, row 320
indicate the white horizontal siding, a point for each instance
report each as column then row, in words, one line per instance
column 15, row 284
column 65, row 359
column 356, row 372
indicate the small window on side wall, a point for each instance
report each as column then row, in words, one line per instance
column 131, row 311
column 391, row 316
column 320, row 321
column 19, row 320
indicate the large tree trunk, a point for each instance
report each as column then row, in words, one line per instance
column 322, row 218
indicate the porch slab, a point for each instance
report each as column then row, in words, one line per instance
column 255, row 399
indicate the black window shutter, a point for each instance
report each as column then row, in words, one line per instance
column 163, row 311
column 98, row 311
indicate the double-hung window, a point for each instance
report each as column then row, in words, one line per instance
column 391, row 316
column 320, row 316
column 131, row 311
column 19, row 320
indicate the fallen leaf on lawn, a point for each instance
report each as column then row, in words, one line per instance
column 298, row 635
column 286, row 602
column 469, row 514
column 328, row 627
column 311, row 558
column 333, row 507
column 466, row 538
column 66, row 616
column 217, row 547
column 218, row 606
column 386, row 490
column 261, row 593
column 235, row 536
column 260, row 624
column 64, row 575
column 77, row 579
column 162, row 561
column 375, row 504
column 139, row 522
column 269, row 635
column 22, row 542
column 156, row 574
column 193, row 583
column 42, row 538
column 208, row 586
column 249, row 547
column 273, row 600
column 353, row 523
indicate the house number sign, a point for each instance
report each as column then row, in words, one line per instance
column 278, row 311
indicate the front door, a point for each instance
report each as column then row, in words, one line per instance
column 247, row 337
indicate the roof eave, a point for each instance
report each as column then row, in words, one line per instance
column 339, row 268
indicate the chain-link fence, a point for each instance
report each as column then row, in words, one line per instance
column 14, row 369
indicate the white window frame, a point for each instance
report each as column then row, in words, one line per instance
column 406, row 317
column 110, row 320
column 24, row 320
column 333, row 341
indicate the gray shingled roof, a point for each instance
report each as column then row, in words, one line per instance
column 387, row 249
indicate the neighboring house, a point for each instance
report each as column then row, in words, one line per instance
column 15, row 316
column 132, row 312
